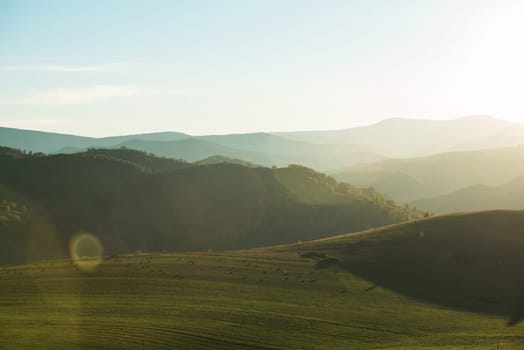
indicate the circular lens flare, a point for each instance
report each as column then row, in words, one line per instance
column 86, row 251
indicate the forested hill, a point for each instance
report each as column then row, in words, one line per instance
column 135, row 201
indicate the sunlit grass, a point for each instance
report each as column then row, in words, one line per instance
column 193, row 301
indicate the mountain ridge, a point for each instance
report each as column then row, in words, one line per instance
column 509, row 195
column 323, row 150
column 410, row 179
column 134, row 201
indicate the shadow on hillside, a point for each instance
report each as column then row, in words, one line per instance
column 472, row 262
column 458, row 290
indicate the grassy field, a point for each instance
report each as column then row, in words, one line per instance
column 245, row 300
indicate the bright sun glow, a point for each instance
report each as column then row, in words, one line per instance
column 305, row 66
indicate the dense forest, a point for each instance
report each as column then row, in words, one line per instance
column 133, row 201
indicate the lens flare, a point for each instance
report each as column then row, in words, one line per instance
column 86, row 251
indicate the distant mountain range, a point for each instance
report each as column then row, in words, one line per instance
column 415, row 178
column 397, row 137
column 441, row 166
column 260, row 148
column 321, row 150
column 478, row 197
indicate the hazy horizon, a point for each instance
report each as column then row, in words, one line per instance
column 262, row 174
column 110, row 68
column 258, row 131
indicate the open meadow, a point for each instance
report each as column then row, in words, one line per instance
column 244, row 300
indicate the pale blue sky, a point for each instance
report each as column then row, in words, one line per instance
column 116, row 67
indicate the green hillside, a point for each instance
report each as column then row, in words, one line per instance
column 415, row 178
column 131, row 202
column 147, row 161
column 391, row 288
column 461, row 261
column 480, row 197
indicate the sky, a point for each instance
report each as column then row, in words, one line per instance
column 101, row 68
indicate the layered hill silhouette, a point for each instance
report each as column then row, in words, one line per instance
column 135, row 201
column 48, row 142
column 321, row 150
column 398, row 137
column 222, row 159
column 469, row 261
column 416, row 178
column 195, row 149
column 479, row 197
column 260, row 148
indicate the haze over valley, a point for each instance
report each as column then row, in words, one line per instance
column 261, row 175
column 144, row 197
column 424, row 158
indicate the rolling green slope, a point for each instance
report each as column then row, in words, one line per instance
column 134, row 201
column 467, row 261
column 479, row 197
column 147, row 161
column 415, row 178
column 391, row 288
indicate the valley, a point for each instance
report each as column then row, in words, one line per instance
column 265, row 298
